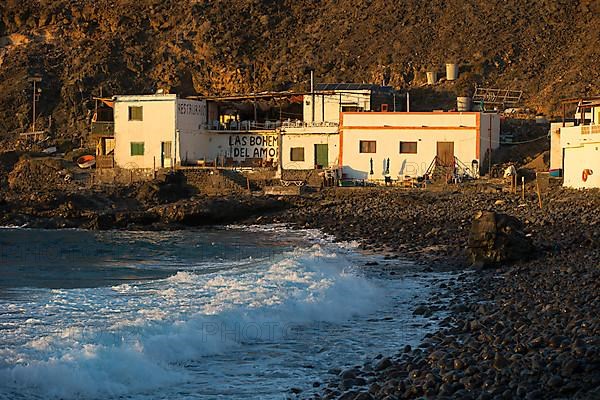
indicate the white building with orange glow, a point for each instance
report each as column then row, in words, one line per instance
column 374, row 145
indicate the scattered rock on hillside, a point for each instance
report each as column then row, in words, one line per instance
column 37, row 174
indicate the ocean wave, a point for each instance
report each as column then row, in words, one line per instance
column 143, row 333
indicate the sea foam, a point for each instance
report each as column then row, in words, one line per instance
column 138, row 337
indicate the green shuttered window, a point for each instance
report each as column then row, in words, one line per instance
column 137, row 148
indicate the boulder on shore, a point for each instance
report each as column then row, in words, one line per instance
column 497, row 238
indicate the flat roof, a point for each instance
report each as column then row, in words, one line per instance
column 575, row 100
column 144, row 97
column 352, row 86
column 249, row 96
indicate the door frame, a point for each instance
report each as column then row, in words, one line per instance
column 162, row 154
column 442, row 160
column 326, row 147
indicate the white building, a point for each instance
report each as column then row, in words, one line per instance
column 330, row 99
column 576, row 149
column 164, row 131
column 314, row 142
column 399, row 144
column 310, row 147
column 157, row 131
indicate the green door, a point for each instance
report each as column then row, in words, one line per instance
column 321, row 156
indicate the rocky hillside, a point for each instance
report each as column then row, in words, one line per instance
column 548, row 48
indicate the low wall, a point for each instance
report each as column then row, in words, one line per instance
column 122, row 176
column 213, row 181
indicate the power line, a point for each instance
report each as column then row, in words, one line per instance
column 526, row 141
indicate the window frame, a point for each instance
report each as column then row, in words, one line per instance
column 416, row 148
column 136, row 145
column 292, row 154
column 367, row 149
column 132, row 117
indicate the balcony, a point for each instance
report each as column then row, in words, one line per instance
column 103, row 128
column 241, row 126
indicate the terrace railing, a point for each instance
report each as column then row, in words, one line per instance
column 103, row 128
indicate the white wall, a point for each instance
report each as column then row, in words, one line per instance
column 240, row 146
column 581, row 151
column 465, row 130
column 555, row 149
column 192, row 142
column 359, row 98
column 165, row 119
column 308, row 141
column 158, row 125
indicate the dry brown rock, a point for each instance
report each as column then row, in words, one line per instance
column 35, row 174
column 140, row 46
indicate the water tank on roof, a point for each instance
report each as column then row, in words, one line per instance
column 451, row 72
column 463, row 104
column 431, row 77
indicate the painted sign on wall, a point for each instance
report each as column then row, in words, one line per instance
column 253, row 146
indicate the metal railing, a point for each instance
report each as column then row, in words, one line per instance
column 590, row 129
column 458, row 170
column 103, row 128
column 303, row 124
column 497, row 97
column 241, row 126
column 266, row 125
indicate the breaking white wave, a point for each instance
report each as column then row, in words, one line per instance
column 137, row 337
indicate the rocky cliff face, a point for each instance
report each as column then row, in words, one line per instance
column 549, row 48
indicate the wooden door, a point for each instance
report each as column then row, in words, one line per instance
column 445, row 153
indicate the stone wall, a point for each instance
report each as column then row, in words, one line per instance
column 122, row 176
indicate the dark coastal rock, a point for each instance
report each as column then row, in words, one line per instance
column 531, row 330
column 213, row 210
column 496, row 239
column 383, row 364
column 151, row 193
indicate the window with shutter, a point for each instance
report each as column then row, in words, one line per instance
column 297, row 154
column 137, row 148
column 136, row 113
column 368, row 146
column 408, row 147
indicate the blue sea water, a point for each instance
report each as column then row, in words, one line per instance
column 232, row 313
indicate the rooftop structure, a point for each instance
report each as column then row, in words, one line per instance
column 575, row 144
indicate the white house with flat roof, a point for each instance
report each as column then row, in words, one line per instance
column 314, row 142
column 576, row 149
column 157, row 131
column 374, row 145
column 165, row 131
column 309, row 147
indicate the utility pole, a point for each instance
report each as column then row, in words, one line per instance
column 37, row 92
column 254, row 90
column 490, row 147
column 407, row 102
column 312, row 93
